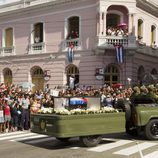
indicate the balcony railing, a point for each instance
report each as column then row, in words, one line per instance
column 36, row 48
column 7, row 51
column 75, row 42
column 108, row 42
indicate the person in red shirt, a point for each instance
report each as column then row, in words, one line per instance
column 7, row 115
column 1, row 118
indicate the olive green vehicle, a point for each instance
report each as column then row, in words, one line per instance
column 88, row 127
column 142, row 118
column 137, row 118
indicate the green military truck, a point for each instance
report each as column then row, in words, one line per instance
column 85, row 118
column 142, row 118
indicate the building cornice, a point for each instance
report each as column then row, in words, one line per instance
column 148, row 6
column 34, row 6
column 16, row 8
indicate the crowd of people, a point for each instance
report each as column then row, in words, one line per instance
column 16, row 104
column 117, row 31
column 72, row 35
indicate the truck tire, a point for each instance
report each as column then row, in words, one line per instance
column 90, row 141
column 63, row 139
column 151, row 130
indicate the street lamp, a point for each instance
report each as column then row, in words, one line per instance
column 129, row 81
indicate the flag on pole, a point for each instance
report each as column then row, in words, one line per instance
column 71, row 53
column 119, row 53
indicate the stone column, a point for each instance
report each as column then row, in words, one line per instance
column 29, row 77
column 131, row 29
column 2, row 77
column 100, row 23
column 104, row 23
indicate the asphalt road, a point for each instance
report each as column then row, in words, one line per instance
column 30, row 145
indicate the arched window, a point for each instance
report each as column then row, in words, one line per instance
column 37, row 78
column 154, row 71
column 38, row 32
column 140, row 74
column 153, row 34
column 7, row 76
column 8, row 37
column 73, row 27
column 140, row 29
column 38, row 72
column 112, row 20
column 112, row 75
column 72, row 70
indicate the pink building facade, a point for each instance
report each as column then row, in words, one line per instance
column 95, row 41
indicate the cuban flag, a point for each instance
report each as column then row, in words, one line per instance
column 119, row 53
column 78, row 101
column 71, row 53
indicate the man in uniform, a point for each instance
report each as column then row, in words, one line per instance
column 135, row 94
column 151, row 95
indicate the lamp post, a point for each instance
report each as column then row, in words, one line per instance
column 129, row 81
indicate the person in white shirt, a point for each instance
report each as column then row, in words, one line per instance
column 71, row 82
column 120, row 32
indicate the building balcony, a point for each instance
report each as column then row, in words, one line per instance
column 37, row 48
column 75, row 42
column 7, row 51
column 108, row 42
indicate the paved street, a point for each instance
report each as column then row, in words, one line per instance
column 30, row 145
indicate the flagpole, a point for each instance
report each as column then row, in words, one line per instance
column 125, row 65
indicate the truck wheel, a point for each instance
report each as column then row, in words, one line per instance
column 151, row 130
column 63, row 139
column 90, row 141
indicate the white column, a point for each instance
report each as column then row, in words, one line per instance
column 2, row 78
column 98, row 23
column 131, row 29
column 104, row 24
column 64, row 78
column 101, row 15
column 29, row 77
column 156, row 37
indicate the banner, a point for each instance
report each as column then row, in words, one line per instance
column 70, row 53
column 54, row 92
column 119, row 53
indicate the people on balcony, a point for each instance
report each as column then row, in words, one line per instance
column 37, row 39
column 120, row 32
column 153, row 45
column 72, row 35
column 117, row 31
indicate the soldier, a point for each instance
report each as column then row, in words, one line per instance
column 151, row 95
column 135, row 94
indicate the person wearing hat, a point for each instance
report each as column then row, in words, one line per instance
column 109, row 101
column 143, row 94
column 135, row 94
column 151, row 95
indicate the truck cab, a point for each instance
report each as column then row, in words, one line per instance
column 142, row 117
